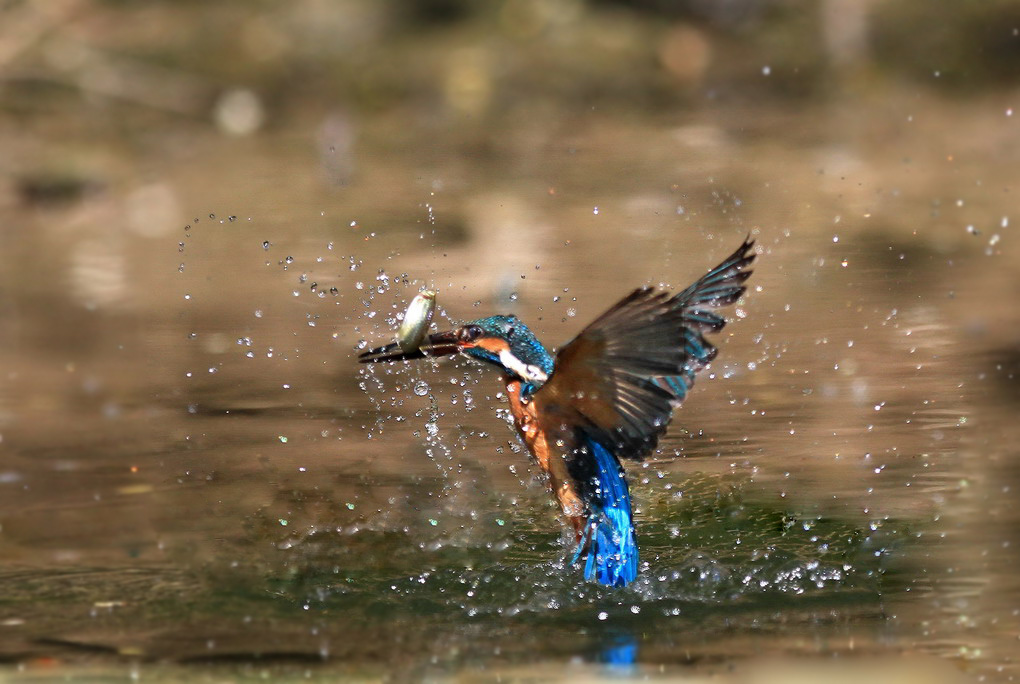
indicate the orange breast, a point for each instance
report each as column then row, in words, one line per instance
column 548, row 451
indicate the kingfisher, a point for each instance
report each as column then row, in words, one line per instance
column 604, row 397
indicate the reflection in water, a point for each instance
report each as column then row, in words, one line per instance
column 620, row 654
column 97, row 276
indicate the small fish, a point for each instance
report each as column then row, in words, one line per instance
column 416, row 321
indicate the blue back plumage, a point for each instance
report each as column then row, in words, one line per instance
column 612, row 551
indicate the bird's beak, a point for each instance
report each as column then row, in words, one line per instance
column 440, row 344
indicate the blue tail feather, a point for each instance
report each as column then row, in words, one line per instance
column 612, row 549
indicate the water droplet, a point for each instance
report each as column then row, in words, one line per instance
column 421, row 388
column 282, row 439
column 265, row 244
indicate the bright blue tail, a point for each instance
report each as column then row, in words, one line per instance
column 612, row 551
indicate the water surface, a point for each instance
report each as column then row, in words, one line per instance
column 198, row 479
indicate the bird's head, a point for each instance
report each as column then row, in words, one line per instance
column 503, row 341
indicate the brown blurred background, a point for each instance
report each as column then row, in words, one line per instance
column 205, row 208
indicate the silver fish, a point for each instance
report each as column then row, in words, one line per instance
column 417, row 319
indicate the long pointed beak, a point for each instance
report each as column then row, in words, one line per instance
column 440, row 344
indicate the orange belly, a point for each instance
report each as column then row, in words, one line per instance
column 548, row 450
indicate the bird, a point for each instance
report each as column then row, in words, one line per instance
column 606, row 396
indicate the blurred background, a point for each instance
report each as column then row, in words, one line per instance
column 207, row 209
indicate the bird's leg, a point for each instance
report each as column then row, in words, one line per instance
column 584, row 535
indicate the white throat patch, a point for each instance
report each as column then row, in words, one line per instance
column 523, row 370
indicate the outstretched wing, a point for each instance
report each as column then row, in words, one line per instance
column 723, row 285
column 621, row 378
column 605, row 377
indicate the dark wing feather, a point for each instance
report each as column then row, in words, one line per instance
column 621, row 378
column 722, row 285
column 604, row 377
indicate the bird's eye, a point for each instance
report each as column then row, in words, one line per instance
column 470, row 333
column 509, row 332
